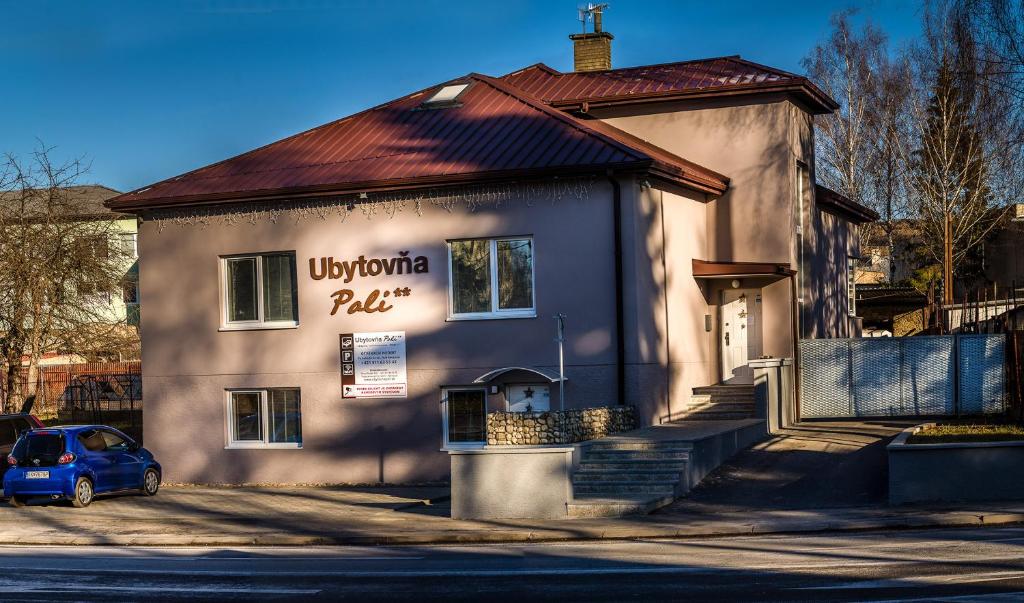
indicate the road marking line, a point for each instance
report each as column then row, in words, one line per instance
column 918, row 581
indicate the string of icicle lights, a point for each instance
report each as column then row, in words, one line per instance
column 372, row 205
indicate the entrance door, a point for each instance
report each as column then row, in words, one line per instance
column 740, row 334
column 465, row 417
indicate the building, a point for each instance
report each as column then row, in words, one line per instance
column 340, row 305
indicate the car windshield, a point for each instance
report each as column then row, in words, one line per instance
column 39, row 449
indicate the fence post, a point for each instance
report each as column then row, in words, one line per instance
column 956, row 374
column 849, row 365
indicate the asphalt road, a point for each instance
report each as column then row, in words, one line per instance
column 950, row 565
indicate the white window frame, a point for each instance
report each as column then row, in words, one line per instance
column 229, row 420
column 250, row 325
column 851, row 286
column 445, row 444
column 495, row 312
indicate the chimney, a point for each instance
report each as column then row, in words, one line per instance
column 592, row 51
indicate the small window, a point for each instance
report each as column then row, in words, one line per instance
column 491, row 278
column 465, row 417
column 264, row 418
column 92, row 440
column 114, row 442
column 851, row 285
column 260, row 291
column 446, row 96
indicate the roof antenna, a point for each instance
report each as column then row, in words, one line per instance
column 591, row 13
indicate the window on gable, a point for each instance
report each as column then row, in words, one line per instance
column 260, row 291
column 491, row 278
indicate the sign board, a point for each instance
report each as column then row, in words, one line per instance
column 373, row 365
column 529, row 398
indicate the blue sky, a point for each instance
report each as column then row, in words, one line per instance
column 145, row 90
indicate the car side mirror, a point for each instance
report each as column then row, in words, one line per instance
column 134, row 447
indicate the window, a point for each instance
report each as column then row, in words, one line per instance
column 447, row 96
column 465, row 417
column 491, row 278
column 130, row 291
column 264, row 418
column 851, row 285
column 129, row 243
column 260, row 291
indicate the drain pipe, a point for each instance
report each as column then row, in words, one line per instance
column 620, row 336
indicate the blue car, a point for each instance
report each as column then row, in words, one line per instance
column 77, row 463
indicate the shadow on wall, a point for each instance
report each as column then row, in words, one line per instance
column 188, row 363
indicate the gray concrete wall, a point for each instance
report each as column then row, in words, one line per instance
column 954, row 472
column 511, row 483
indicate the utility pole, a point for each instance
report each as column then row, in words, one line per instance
column 560, row 338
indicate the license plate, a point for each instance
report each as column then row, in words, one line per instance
column 37, row 475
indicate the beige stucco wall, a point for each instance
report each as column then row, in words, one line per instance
column 188, row 362
column 758, row 143
column 750, row 143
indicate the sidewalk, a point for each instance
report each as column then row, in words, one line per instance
column 180, row 516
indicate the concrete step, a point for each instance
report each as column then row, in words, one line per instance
column 714, row 398
column 722, row 406
column 610, row 444
column 724, row 389
column 667, row 454
column 666, row 488
column 634, row 465
column 650, row 475
column 595, row 505
column 710, row 415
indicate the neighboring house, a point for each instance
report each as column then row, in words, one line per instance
column 123, row 307
column 339, row 305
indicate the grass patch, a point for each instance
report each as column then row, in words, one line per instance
column 942, row 434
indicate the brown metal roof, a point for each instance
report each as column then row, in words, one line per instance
column 687, row 79
column 705, row 269
column 833, row 201
column 492, row 131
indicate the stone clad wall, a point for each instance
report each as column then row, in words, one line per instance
column 557, row 427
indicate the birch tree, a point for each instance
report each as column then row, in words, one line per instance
column 860, row 147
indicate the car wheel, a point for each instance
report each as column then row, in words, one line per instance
column 16, row 501
column 150, row 482
column 83, row 493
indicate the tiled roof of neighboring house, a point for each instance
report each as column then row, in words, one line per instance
column 687, row 79
column 492, row 131
column 835, row 202
column 88, row 199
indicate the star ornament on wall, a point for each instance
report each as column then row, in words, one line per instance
column 528, row 392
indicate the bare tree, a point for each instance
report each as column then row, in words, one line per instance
column 59, row 267
column 967, row 151
column 999, row 28
column 860, row 147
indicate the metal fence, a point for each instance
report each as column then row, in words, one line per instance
column 903, row 376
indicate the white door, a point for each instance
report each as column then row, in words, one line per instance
column 740, row 334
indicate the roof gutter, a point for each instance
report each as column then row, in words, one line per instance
column 125, row 203
column 820, row 103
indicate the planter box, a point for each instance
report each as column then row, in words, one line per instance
column 511, row 482
column 961, row 471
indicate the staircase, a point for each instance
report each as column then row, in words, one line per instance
column 618, row 477
column 718, row 402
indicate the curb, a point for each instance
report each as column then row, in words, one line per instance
column 958, row 519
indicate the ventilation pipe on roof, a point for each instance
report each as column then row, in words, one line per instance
column 592, row 51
